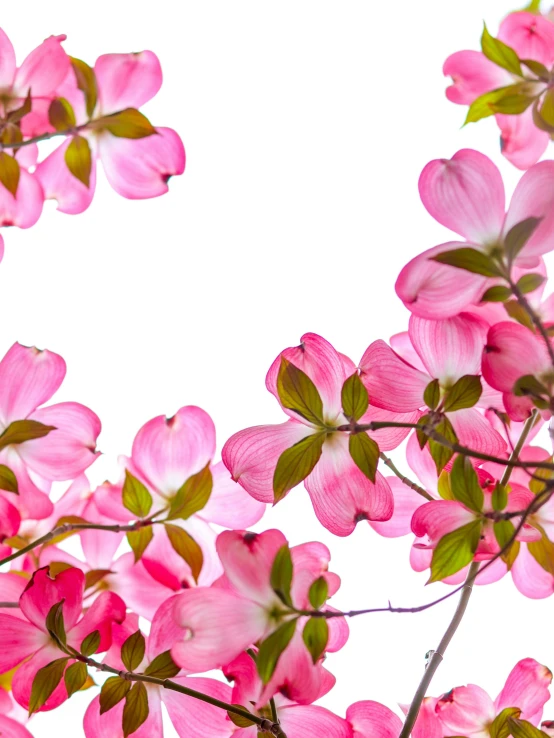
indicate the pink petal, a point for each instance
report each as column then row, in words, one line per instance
column 10, row 519
column 23, row 210
column 428, row 724
column 141, row 168
column 422, row 464
column 466, row 710
column 10, row 728
column 127, row 80
column 341, row 494
column 473, row 75
column 406, row 502
column 19, row 640
column 474, row 431
column 217, row 625
column 389, row 438
column 24, row 676
column 299, row 721
column 7, row 61
column 106, row 609
column 392, row 383
column 139, row 590
column 521, row 142
column 530, row 35
column 59, row 184
column 373, row 720
column 107, row 498
column 99, row 546
column 527, row 688
column 402, row 345
column 511, row 352
column 534, row 197
column 465, row 194
column 246, row 682
column 436, row 519
column 109, row 725
column 322, row 363
column 43, row 69
column 167, row 451
column 11, row 589
column 192, row 718
column 32, row 501
column 449, row 348
column 229, row 504
column 433, row 290
column 251, row 455
column 43, row 592
column 247, row 560
column 529, row 576
column 28, row 378
column 70, row 449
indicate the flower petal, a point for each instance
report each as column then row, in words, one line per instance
column 372, row 720
column 23, row 210
column 466, row 710
column 530, row 35
column 72, row 195
column 23, row 678
column 512, row 351
column 44, row 591
column 527, row 688
column 521, row 142
column 299, row 721
column 406, row 502
column 436, row 519
column 473, row 75
column 43, row 69
column 20, row 639
column 127, row 80
column 109, row 724
column 192, row 718
column 7, row 61
column 106, row 609
column 473, row 430
column 229, row 504
column 529, row 576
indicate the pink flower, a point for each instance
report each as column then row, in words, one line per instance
column 466, row 195
column 25, row 207
column 25, row 636
column 10, row 725
column 28, row 379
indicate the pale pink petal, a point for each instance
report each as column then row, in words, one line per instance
column 11, row 589
column 428, row 724
column 216, row 626
column 139, row 590
column 449, row 348
column 511, row 352
column 107, row 498
column 530, row 35
column 300, row 721
column 167, row 451
column 466, row 710
column 109, row 724
column 10, row 728
column 436, row 519
column 243, row 674
column 70, row 449
column 322, row 363
column 24, row 676
column 10, row 519
column 341, row 494
column 141, row 168
column 7, row 61
column 251, row 455
column 106, row 609
column 43, row 591
column 420, row 557
column 529, row 576
column 389, row 438
column 1, row 248
column 433, row 290
column 373, row 720
column 534, row 197
column 164, row 631
column 28, row 378
column 339, row 632
column 229, row 504
column 99, row 546
column 406, row 502
column 465, row 194
column 23, row 210
column 32, row 500
column 127, row 80
column 403, row 346
column 527, row 688
column 521, row 142
column 422, row 464
column 473, row 75
column 19, row 640
column 392, row 383
column 72, row 195
column 192, row 718
column 473, row 430
column 247, row 560
column 43, row 69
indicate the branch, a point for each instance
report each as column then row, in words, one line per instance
column 537, row 322
column 9, row 604
column 405, row 480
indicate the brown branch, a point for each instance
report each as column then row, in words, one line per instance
column 405, row 480
column 537, row 322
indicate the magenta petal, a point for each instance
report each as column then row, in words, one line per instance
column 300, row 721
column 522, row 143
column 127, row 80
column 10, row 728
column 19, row 640
column 341, row 494
column 10, row 519
column 23, row 210
column 192, row 718
column 465, row 194
column 473, row 75
column 43, row 69
column 43, row 591
column 28, row 378
column 530, row 35
column 511, row 352
column 167, row 451
column 139, row 590
column 141, row 168
column 72, row 195
column 530, row 578
column 106, row 609
column 109, row 725
column 474, row 430
column 389, row 438
column 229, row 504
column 32, row 501
column 372, row 720
column 466, row 710
column 527, row 688
column 24, row 676
column 251, row 455
column 428, row 724
column 436, row 519
column 7, row 61
column 406, row 502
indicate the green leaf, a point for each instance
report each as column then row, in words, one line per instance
column 296, row 463
column 365, row 454
column 504, row 532
column 489, row 103
column 498, row 293
column 530, row 282
column 422, row 438
column 523, row 729
column 537, row 485
column 78, row 159
column 45, row 682
column 14, row 116
column 465, row 484
column 86, row 82
column 60, row 114
column 318, row 592
column 162, row 667
column 21, row 431
column 113, row 691
column 281, row 574
column 518, row 235
column 187, row 548
column 315, row 636
column 135, row 710
column 238, row 720
column 455, row 550
column 271, row 649
column 91, row 643
column 499, row 497
column 192, row 496
column 533, row 7
column 513, row 104
column 55, row 622
column 8, row 480
column 93, row 576
column 136, row 498
column 75, row 677
column 465, row 393
column 132, row 651
column 432, row 394
column 537, row 68
column 129, row 123
column 470, row 260
column 354, row 397
column 298, row 393
column 499, row 728
column 543, row 552
column 500, row 53
column 529, row 386
column 515, row 311
column 444, row 486
column 440, row 454
column 139, row 540
column 547, row 111
column 9, row 172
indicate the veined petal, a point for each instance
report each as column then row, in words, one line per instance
column 192, row 718
column 436, row 519
column 44, row 591
column 32, row 501
column 299, row 721
column 422, row 464
column 529, row 576
column 23, row 678
column 127, row 80
column 7, row 61
column 406, row 502
column 521, row 142
column 106, row 609
column 472, row 75
column 372, row 720
column 20, row 639
column 139, row 590
column 466, row 710
column 72, row 195
column 530, row 35
column 512, row 351
column 527, row 688
column 474, row 430
column 229, row 504
column 43, row 69
column 389, row 438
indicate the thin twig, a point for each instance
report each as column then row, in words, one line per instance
column 537, row 322
column 405, row 480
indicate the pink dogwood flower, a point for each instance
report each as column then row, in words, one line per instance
column 10, row 724
column 466, row 195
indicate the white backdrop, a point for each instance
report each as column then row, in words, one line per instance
column 306, row 125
